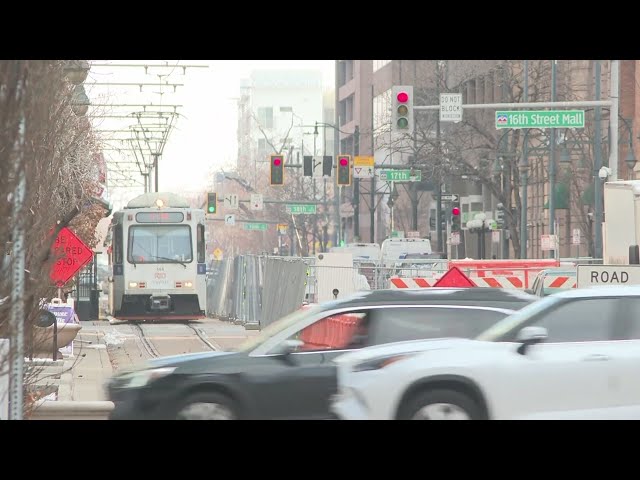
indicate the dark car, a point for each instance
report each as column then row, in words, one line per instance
column 286, row 371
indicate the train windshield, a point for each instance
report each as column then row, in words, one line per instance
column 160, row 244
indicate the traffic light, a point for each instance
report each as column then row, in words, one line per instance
column 277, row 170
column 402, row 111
column 212, row 199
column 344, row 170
column 455, row 218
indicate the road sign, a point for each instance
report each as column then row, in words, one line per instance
column 317, row 166
column 495, row 236
column 230, row 219
column 257, row 202
column 300, row 209
column 455, row 238
column 540, row 119
column 231, row 201
column 363, row 172
column 282, row 228
column 413, row 234
column 548, row 242
column 454, row 278
column 363, row 161
column 71, row 255
column 591, row 275
column 575, row 238
column 401, row 175
column 451, row 107
column 255, row 226
column 450, row 197
column 217, row 253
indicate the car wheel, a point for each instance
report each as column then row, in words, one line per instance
column 440, row 405
column 207, row 406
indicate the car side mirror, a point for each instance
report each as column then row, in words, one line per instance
column 288, row 347
column 530, row 336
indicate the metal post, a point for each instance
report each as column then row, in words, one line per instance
column 613, row 118
column 439, row 183
column 552, row 162
column 336, row 149
column 155, row 169
column 597, row 164
column 55, row 328
column 413, row 187
column 313, row 180
column 372, row 208
column 524, row 172
column 18, row 252
column 356, row 189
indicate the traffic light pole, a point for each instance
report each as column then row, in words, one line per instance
column 356, row 189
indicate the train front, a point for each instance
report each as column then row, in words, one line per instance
column 159, row 268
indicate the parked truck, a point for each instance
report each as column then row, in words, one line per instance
column 621, row 227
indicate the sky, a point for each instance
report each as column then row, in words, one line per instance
column 205, row 133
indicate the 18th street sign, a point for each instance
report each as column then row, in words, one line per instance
column 71, row 255
column 300, row 209
column 540, row 119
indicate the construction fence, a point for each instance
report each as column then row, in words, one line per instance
column 256, row 290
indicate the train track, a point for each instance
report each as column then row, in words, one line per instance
column 146, row 343
column 201, row 335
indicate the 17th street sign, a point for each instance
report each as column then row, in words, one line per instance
column 540, row 119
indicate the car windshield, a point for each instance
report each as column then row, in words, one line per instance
column 275, row 328
column 160, row 244
column 513, row 321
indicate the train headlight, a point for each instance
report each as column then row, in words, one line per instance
column 188, row 284
column 140, row 378
column 133, row 284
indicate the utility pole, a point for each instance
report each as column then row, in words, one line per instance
column 552, row 163
column 438, row 161
column 597, row 164
column 372, row 209
column 356, row 188
column 16, row 397
column 613, row 118
column 524, row 173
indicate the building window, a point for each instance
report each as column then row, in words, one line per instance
column 265, row 117
column 378, row 64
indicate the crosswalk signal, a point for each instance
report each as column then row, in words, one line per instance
column 344, row 170
column 277, row 169
column 212, row 199
column 402, row 111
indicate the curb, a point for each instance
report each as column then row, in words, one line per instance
column 69, row 410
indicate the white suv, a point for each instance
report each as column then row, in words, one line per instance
column 573, row 355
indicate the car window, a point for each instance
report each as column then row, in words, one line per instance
column 400, row 324
column 336, row 332
column 629, row 316
column 583, row 320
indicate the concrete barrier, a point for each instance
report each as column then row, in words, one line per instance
column 68, row 410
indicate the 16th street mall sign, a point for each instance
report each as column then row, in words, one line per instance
column 540, row 119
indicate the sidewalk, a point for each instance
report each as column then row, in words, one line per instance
column 90, row 367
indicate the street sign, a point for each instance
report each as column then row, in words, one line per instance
column 495, row 236
column 71, row 255
column 449, row 197
column 454, row 278
column 282, row 228
column 548, row 242
column 363, row 170
column 575, row 238
column 230, row 219
column 591, row 275
column 255, row 226
column 300, row 209
column 363, row 161
column 455, row 238
column 540, row 119
column 257, row 202
column 231, row 201
column 451, row 107
column 401, row 175
column 217, row 253
column 397, row 234
column 317, row 166
column 413, row 234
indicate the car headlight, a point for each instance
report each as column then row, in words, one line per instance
column 380, row 362
column 140, row 378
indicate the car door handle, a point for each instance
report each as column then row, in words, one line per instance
column 596, row 357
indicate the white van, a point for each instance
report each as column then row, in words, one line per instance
column 394, row 249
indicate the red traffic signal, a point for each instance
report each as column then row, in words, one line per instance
column 402, row 97
column 455, row 211
column 277, row 161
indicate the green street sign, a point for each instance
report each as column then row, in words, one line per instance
column 401, row 175
column 300, row 209
column 540, row 119
column 255, row 226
